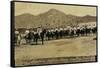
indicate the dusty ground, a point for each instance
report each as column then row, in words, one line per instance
column 80, row 46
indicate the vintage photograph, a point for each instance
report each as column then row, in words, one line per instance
column 53, row 33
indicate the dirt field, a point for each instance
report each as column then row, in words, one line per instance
column 79, row 46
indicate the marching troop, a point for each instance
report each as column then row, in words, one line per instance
column 33, row 36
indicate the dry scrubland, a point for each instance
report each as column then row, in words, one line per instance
column 79, row 46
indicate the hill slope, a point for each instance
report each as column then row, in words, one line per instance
column 51, row 18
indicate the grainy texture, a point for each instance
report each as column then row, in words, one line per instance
column 80, row 49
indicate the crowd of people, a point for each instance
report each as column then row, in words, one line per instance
column 32, row 36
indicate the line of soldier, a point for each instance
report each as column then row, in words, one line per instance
column 32, row 35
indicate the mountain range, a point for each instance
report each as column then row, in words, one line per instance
column 52, row 18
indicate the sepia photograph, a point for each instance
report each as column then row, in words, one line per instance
column 52, row 33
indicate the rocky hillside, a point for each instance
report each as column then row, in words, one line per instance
column 51, row 18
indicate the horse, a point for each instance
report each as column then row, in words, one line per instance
column 42, row 34
column 36, row 37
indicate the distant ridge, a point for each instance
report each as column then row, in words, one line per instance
column 52, row 18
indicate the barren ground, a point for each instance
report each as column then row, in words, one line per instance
column 79, row 46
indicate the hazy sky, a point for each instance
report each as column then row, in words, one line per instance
column 37, row 8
